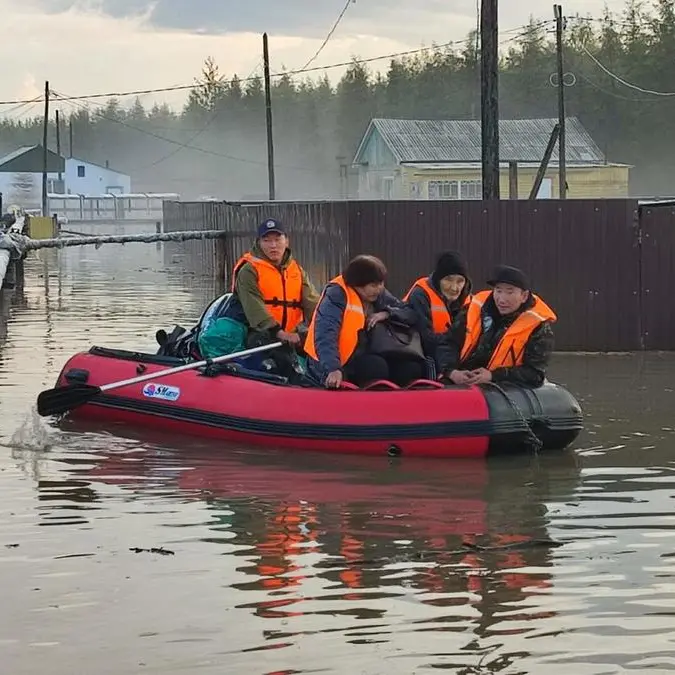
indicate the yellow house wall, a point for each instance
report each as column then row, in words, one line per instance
column 583, row 183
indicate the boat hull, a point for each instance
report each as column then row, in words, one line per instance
column 251, row 409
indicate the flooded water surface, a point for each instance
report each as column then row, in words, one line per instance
column 123, row 552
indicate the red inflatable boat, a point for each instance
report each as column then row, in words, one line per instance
column 248, row 407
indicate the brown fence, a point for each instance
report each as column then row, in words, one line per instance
column 605, row 266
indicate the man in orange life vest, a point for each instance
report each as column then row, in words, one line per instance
column 438, row 298
column 504, row 335
column 272, row 293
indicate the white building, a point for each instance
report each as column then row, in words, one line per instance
column 86, row 178
column 21, row 177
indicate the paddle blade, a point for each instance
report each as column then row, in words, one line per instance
column 62, row 399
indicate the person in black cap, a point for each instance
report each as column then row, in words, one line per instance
column 272, row 295
column 438, row 298
column 504, row 335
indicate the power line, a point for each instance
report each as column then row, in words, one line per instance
column 289, row 73
column 625, row 83
column 330, row 34
column 613, row 94
column 196, row 148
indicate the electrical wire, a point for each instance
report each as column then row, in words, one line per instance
column 329, row 36
column 289, row 73
column 620, row 80
column 196, row 148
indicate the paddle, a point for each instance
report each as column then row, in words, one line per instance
column 62, row 399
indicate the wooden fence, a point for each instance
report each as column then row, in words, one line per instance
column 607, row 267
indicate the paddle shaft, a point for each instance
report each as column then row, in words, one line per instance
column 189, row 366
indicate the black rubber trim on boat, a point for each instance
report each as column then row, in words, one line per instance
column 375, row 432
column 137, row 357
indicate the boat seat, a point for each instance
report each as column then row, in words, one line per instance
column 425, row 384
column 382, row 385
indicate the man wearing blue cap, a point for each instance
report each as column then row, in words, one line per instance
column 272, row 294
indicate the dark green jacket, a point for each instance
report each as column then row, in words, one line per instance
column 247, row 290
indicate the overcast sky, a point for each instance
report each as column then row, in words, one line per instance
column 91, row 46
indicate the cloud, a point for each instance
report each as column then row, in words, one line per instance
column 91, row 46
column 312, row 18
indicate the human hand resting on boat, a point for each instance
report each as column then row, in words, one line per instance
column 334, row 379
column 290, row 338
column 376, row 318
column 479, row 376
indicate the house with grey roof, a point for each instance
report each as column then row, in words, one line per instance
column 21, row 177
column 441, row 159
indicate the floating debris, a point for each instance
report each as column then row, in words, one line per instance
column 160, row 551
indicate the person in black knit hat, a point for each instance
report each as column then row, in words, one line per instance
column 504, row 335
column 337, row 343
column 438, row 298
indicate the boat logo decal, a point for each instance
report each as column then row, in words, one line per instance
column 162, row 391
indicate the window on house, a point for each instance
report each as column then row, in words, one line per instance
column 455, row 189
column 443, row 189
column 388, row 188
column 80, row 170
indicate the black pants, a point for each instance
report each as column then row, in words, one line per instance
column 283, row 357
column 369, row 367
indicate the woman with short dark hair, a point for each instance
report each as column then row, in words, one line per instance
column 337, row 342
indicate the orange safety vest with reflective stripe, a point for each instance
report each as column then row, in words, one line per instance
column 441, row 319
column 511, row 348
column 353, row 320
column 281, row 289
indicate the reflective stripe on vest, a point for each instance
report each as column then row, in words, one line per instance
column 353, row 320
column 281, row 289
column 511, row 347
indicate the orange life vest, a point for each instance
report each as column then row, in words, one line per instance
column 281, row 289
column 511, row 348
column 353, row 320
column 441, row 319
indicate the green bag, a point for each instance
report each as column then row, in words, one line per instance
column 223, row 336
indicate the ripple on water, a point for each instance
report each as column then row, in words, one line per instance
column 125, row 552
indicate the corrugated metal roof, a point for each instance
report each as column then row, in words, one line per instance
column 460, row 140
column 17, row 153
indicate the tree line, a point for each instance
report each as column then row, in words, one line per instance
column 317, row 125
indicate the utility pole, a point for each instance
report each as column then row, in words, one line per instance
column 70, row 139
column 45, row 156
column 562, row 163
column 268, row 108
column 58, row 143
column 489, row 98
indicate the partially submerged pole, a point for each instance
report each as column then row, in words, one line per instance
column 268, row 111
column 562, row 144
column 27, row 244
column 489, row 91
column 5, row 256
column 45, row 155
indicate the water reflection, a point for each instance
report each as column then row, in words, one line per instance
column 288, row 564
column 433, row 546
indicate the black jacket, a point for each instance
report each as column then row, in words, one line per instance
column 328, row 321
column 535, row 358
column 418, row 300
